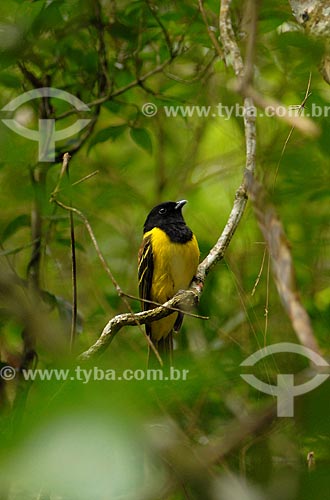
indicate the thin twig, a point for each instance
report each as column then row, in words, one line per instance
column 94, row 240
column 286, row 114
column 86, row 178
column 106, row 268
column 182, row 300
column 267, row 300
column 300, row 110
column 119, row 91
column 153, row 10
column 158, row 304
column 74, row 284
column 58, row 189
column 74, row 269
column 210, row 32
column 64, row 169
column 259, row 273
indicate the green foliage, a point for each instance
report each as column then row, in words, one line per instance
column 110, row 133
column 89, row 440
column 14, row 225
column 142, row 138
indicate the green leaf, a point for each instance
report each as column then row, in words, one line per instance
column 10, row 80
column 66, row 242
column 23, row 220
column 110, row 133
column 142, row 138
column 113, row 106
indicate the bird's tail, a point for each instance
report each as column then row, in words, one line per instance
column 164, row 347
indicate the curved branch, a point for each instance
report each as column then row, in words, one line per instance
column 185, row 299
column 188, row 298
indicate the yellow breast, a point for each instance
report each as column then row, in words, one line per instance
column 175, row 265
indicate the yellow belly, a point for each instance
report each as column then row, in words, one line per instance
column 175, row 265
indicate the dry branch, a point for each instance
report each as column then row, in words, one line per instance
column 186, row 299
column 244, row 74
column 266, row 215
column 183, row 300
column 313, row 15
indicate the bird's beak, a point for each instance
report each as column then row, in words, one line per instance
column 180, row 204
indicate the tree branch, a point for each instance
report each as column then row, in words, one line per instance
column 73, row 210
column 182, row 300
column 210, row 32
column 244, row 73
column 187, row 299
column 313, row 15
column 153, row 10
column 119, row 91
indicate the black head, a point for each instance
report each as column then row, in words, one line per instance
column 164, row 215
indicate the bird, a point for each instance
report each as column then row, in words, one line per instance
column 167, row 262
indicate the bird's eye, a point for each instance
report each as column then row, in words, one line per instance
column 162, row 211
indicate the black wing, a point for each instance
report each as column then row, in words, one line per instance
column 145, row 271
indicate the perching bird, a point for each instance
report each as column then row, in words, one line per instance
column 168, row 260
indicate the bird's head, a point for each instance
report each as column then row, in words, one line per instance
column 165, row 214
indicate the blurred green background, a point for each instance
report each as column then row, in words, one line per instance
column 106, row 439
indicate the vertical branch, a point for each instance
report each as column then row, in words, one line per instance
column 243, row 72
column 210, row 32
column 268, row 220
column 74, row 283
column 103, row 81
column 65, row 168
column 39, row 182
column 230, row 47
column 65, row 171
column 38, row 176
column 153, row 10
column 234, row 58
column 38, row 179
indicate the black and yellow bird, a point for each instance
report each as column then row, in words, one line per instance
column 168, row 260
